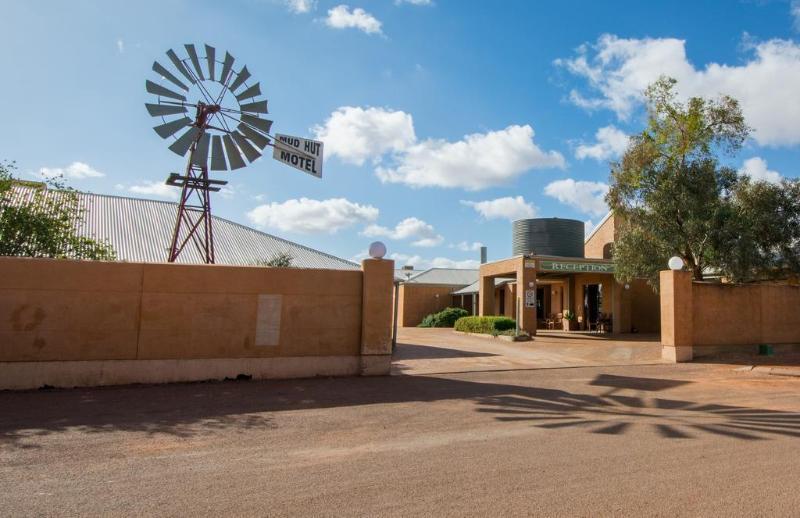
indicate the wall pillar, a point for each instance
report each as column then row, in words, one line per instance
column 676, row 315
column 486, row 296
column 376, row 317
column 527, row 316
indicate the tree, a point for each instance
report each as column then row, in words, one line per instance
column 671, row 196
column 37, row 222
column 278, row 260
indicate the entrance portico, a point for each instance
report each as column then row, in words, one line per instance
column 548, row 286
column 524, row 271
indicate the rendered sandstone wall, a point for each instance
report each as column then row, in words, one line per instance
column 702, row 318
column 745, row 315
column 70, row 311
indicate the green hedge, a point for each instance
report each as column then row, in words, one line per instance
column 445, row 318
column 487, row 325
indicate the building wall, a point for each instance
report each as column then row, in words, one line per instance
column 645, row 307
column 702, row 318
column 509, row 294
column 85, row 311
column 419, row 300
column 595, row 247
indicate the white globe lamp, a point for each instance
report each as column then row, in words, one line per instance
column 675, row 263
column 377, row 250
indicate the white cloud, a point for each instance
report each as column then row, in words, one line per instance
column 766, row 84
column 585, row 197
column 356, row 134
column 794, row 9
column 476, row 162
column 75, row 171
column 611, row 143
column 341, row 17
column 420, row 263
column 466, row 246
column 410, row 228
column 413, row 2
column 300, row 6
column 510, row 208
column 120, row 45
column 312, row 216
column 756, row 169
column 158, row 189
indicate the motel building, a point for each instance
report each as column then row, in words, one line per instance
column 554, row 271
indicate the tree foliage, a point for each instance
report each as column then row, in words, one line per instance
column 40, row 222
column 672, row 196
column 279, row 260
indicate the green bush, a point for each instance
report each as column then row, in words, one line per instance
column 445, row 318
column 487, row 325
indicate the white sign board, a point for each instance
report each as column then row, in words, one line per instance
column 530, row 298
column 300, row 153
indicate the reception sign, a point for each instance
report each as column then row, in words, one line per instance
column 568, row 267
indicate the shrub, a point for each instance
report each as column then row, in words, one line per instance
column 445, row 318
column 486, row 325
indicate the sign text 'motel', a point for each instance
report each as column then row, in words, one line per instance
column 558, row 266
column 300, row 153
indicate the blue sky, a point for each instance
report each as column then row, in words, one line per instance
column 442, row 120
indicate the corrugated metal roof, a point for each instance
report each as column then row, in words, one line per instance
column 446, row 276
column 140, row 230
column 474, row 287
column 402, row 274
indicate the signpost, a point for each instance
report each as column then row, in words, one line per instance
column 530, row 298
column 300, row 153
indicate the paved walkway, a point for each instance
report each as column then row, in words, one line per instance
column 435, row 351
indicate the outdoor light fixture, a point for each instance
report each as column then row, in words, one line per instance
column 377, row 250
column 531, row 284
column 675, row 263
column 627, row 286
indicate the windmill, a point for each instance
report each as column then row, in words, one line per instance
column 225, row 128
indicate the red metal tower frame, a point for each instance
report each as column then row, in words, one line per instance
column 193, row 222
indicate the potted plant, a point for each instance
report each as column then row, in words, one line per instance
column 570, row 320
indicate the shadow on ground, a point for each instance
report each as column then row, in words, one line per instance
column 408, row 351
column 186, row 410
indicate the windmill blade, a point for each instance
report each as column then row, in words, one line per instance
column 234, row 157
column 261, row 124
column 184, row 142
column 227, row 65
column 159, row 90
column 217, row 155
column 200, row 156
column 256, row 107
column 243, row 76
column 211, row 54
column 166, row 74
column 172, row 127
column 255, row 137
column 179, row 65
column 159, row 110
column 253, row 91
column 247, row 148
column 195, row 60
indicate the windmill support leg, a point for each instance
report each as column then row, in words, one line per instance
column 193, row 222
